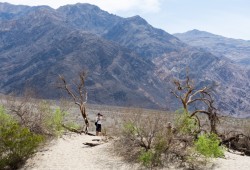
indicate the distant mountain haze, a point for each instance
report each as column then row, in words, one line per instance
column 234, row 49
column 128, row 62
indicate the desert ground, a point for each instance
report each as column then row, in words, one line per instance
column 70, row 153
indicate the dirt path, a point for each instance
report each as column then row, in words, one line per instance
column 232, row 162
column 69, row 153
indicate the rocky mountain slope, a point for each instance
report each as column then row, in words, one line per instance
column 128, row 61
column 38, row 47
column 234, row 49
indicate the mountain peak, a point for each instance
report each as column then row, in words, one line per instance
column 234, row 49
column 88, row 17
column 199, row 33
column 79, row 6
column 7, row 7
column 137, row 19
column 87, row 6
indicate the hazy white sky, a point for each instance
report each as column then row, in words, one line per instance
column 230, row 18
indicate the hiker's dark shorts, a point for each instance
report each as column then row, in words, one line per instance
column 98, row 127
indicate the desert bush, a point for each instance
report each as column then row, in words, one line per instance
column 185, row 124
column 153, row 141
column 146, row 158
column 139, row 132
column 27, row 124
column 17, row 143
column 54, row 122
column 38, row 116
column 29, row 112
column 208, row 145
column 196, row 101
column 154, row 156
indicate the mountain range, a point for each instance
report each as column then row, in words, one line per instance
column 235, row 49
column 128, row 62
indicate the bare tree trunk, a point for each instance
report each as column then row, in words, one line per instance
column 189, row 95
column 79, row 95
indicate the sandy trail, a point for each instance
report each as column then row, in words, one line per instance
column 69, row 153
column 232, row 162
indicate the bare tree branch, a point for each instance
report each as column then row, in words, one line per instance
column 202, row 96
column 79, row 95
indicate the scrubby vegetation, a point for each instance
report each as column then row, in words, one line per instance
column 17, row 143
column 25, row 125
column 208, row 145
column 154, row 141
column 188, row 140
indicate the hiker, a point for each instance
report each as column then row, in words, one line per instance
column 98, row 124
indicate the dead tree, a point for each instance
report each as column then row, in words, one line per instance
column 77, row 91
column 186, row 92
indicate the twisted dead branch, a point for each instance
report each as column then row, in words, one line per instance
column 77, row 91
column 186, row 92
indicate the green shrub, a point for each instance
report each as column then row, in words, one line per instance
column 16, row 143
column 150, row 158
column 161, row 143
column 54, row 122
column 129, row 128
column 146, row 158
column 208, row 145
column 4, row 118
column 186, row 124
